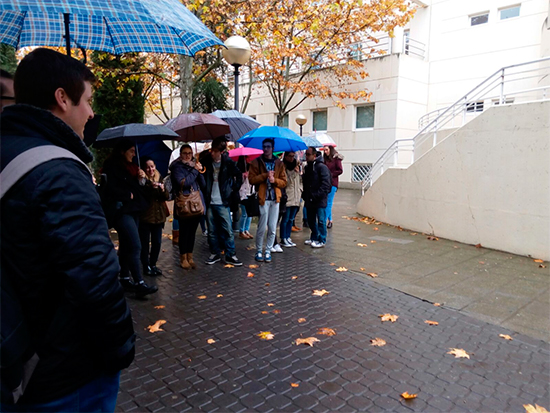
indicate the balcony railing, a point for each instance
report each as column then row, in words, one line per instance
column 525, row 82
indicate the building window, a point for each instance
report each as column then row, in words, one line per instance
column 320, row 120
column 356, row 51
column 509, row 12
column 474, row 107
column 364, row 117
column 479, row 19
column 285, row 120
column 406, row 41
column 507, row 101
column 359, row 171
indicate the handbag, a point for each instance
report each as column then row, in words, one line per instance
column 252, row 205
column 188, row 205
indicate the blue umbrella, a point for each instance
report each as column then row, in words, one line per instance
column 113, row 26
column 311, row 141
column 285, row 139
column 158, row 152
column 239, row 123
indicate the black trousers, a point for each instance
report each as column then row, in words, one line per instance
column 152, row 232
column 188, row 230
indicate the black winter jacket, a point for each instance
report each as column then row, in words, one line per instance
column 121, row 185
column 57, row 252
column 230, row 178
column 317, row 184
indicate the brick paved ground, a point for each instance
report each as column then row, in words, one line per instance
column 177, row 370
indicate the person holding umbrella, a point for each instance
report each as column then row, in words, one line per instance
column 186, row 175
column 333, row 160
column 267, row 172
column 124, row 195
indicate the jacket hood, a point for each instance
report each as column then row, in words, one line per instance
column 30, row 121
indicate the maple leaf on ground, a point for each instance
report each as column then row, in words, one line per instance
column 219, row 295
column 294, row 277
column 538, row 260
column 326, row 331
column 294, row 384
column 408, row 396
column 529, row 408
column 432, row 323
column 376, row 229
column 309, row 341
column 266, row 335
column 265, row 312
column 478, row 246
column 373, row 242
column 437, row 304
column 229, row 266
column 332, row 263
column 201, row 297
column 276, row 311
column 433, row 238
column 458, row 353
column 388, row 317
column 302, row 320
column 362, row 245
column 156, row 327
column 253, row 266
column 362, row 269
column 378, row 342
column 505, row 336
column 267, row 284
column 158, row 307
column 414, row 233
column 372, row 274
column 270, row 305
column 210, row 341
column 250, row 275
column 320, row 293
column 341, row 269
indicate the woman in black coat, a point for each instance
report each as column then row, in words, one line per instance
column 124, row 203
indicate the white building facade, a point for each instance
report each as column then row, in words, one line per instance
column 447, row 49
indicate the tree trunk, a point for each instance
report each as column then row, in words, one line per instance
column 186, row 82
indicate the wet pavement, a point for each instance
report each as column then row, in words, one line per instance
column 178, row 369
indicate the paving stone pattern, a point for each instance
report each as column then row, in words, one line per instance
column 177, row 370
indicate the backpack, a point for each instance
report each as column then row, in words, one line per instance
column 17, row 356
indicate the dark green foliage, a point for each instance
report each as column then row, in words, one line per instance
column 8, row 61
column 209, row 95
column 119, row 96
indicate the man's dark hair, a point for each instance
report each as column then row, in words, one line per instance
column 43, row 71
column 4, row 75
column 220, row 144
column 314, row 150
column 270, row 140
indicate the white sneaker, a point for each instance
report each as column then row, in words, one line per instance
column 289, row 241
column 286, row 244
column 317, row 244
column 308, row 242
column 276, row 248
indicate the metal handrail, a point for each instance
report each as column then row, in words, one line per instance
column 479, row 92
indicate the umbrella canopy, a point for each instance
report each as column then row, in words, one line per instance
column 193, row 127
column 113, row 26
column 324, row 138
column 252, row 153
column 138, row 132
column 158, row 152
column 285, row 139
column 239, row 123
column 311, row 141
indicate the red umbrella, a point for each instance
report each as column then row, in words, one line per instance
column 193, row 127
column 252, row 153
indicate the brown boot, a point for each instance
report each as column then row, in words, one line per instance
column 184, row 263
column 190, row 260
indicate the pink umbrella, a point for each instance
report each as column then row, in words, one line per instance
column 252, row 153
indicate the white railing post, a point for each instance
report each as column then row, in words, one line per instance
column 395, row 157
column 501, row 100
column 464, row 110
column 434, row 140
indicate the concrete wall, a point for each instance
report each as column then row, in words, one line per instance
column 488, row 183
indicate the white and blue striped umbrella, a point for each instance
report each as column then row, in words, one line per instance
column 238, row 122
column 113, row 26
column 311, row 141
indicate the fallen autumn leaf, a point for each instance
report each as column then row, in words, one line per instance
column 253, row 266
column 408, row 396
column 437, row 304
column 201, row 297
column 294, row 384
column 250, row 275
column 229, row 266
column 388, row 317
column 341, row 269
column 276, row 311
column 432, row 323
column 362, row 245
column 529, row 408
column 156, row 327
column 378, row 342
column 538, row 260
column 158, row 307
column 210, row 341
column 431, row 238
column 372, row 274
column 505, row 337
column 219, row 295
column 266, row 335
column 270, row 305
column 458, row 353
column 294, row 277
column 309, row 341
column 320, row 293
column 326, row 331
column 302, row 320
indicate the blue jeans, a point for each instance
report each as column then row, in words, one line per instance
column 286, row 222
column 99, row 395
column 218, row 220
column 129, row 249
column 244, row 224
column 317, row 221
column 330, row 200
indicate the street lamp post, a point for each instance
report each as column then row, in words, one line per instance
column 236, row 54
column 301, row 120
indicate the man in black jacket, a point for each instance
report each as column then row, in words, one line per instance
column 222, row 178
column 317, row 185
column 57, row 257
